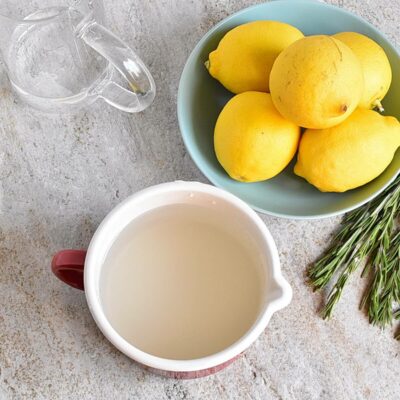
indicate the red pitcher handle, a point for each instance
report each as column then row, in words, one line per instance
column 67, row 265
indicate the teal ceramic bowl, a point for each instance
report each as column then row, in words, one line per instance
column 201, row 98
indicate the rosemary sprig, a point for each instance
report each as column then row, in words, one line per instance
column 385, row 288
column 367, row 235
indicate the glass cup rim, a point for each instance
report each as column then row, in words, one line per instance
column 22, row 21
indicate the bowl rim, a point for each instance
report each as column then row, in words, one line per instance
column 194, row 157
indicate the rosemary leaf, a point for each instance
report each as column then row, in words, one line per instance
column 367, row 235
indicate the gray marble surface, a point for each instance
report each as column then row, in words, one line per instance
column 60, row 175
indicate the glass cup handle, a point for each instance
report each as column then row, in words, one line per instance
column 127, row 63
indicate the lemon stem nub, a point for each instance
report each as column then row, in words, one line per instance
column 377, row 104
column 207, row 64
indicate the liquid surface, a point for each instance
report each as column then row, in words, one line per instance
column 179, row 283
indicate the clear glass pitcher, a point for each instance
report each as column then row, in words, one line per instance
column 59, row 57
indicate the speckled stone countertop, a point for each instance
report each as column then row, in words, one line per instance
column 59, row 176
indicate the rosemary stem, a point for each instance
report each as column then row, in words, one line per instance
column 366, row 234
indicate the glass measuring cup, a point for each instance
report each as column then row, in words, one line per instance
column 59, row 57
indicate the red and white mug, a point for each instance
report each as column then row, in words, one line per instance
column 82, row 269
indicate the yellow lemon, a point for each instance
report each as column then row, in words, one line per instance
column 375, row 65
column 244, row 57
column 316, row 82
column 252, row 141
column 350, row 154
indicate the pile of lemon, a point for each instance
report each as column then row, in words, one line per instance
column 284, row 81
